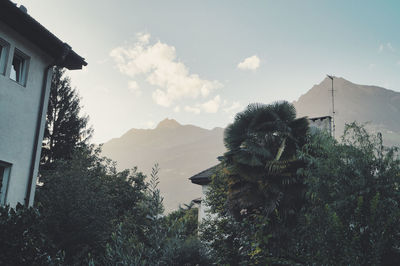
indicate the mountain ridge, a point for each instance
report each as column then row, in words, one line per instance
column 180, row 150
column 374, row 105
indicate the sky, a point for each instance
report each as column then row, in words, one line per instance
column 201, row 62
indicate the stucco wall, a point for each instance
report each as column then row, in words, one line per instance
column 203, row 208
column 19, row 108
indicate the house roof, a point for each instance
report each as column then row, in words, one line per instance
column 19, row 20
column 197, row 200
column 320, row 118
column 204, row 177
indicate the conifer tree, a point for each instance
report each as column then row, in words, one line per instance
column 65, row 128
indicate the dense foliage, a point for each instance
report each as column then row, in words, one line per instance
column 349, row 217
column 352, row 211
column 265, row 191
column 235, row 241
column 98, row 215
column 170, row 240
column 83, row 198
column 22, row 241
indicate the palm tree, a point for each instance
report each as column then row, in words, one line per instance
column 261, row 159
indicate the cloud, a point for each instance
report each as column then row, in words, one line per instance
column 159, row 64
column 195, row 110
column 143, row 37
column 250, row 63
column 387, row 46
column 233, row 107
column 212, row 106
column 390, row 47
column 380, row 49
column 134, row 88
column 177, row 109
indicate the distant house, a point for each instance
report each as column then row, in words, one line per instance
column 28, row 51
column 204, row 177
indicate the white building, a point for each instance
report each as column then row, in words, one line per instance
column 28, row 51
column 203, row 179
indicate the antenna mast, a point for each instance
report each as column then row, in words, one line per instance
column 333, row 107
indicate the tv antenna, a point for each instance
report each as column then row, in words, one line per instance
column 333, row 107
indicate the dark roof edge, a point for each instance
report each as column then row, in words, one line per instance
column 320, row 118
column 204, row 177
column 32, row 30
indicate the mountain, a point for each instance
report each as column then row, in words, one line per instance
column 377, row 106
column 180, row 150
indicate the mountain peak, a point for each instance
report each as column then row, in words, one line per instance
column 168, row 123
column 335, row 79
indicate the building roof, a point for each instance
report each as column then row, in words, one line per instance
column 197, row 200
column 204, row 177
column 19, row 20
column 320, row 118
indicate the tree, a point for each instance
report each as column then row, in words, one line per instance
column 156, row 239
column 232, row 241
column 65, row 129
column 187, row 216
column 352, row 210
column 83, row 199
column 261, row 159
column 259, row 180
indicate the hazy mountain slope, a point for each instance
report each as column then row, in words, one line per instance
column 180, row 150
column 378, row 106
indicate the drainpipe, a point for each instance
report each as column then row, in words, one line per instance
column 42, row 109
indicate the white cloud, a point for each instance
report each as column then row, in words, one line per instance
column 159, row 63
column 387, row 46
column 251, row 63
column 390, row 47
column 233, row 107
column 161, row 98
column 143, row 37
column 212, row 106
column 380, row 49
column 134, row 88
column 177, row 109
column 195, row 110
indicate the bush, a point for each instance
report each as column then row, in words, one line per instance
column 353, row 197
column 22, row 241
column 158, row 240
column 82, row 201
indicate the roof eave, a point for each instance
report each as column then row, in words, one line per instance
column 32, row 30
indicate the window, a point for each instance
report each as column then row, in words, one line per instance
column 19, row 67
column 3, row 56
column 4, row 175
